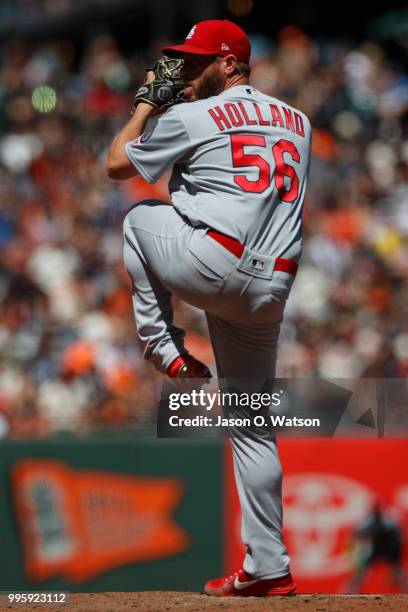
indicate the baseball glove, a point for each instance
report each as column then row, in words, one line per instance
column 166, row 88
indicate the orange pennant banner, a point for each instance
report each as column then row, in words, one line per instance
column 80, row 523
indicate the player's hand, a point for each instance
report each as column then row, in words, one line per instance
column 149, row 76
column 145, row 108
column 163, row 85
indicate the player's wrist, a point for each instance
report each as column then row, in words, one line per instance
column 145, row 110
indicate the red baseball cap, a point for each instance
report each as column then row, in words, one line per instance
column 214, row 37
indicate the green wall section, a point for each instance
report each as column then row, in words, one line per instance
column 198, row 463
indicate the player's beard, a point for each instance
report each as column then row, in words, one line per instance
column 209, row 85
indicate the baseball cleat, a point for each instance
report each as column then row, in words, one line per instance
column 242, row 584
column 186, row 367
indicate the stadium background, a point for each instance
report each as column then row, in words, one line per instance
column 71, row 369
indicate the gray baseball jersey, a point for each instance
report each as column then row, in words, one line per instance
column 240, row 163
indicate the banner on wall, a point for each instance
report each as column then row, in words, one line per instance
column 330, row 488
column 79, row 523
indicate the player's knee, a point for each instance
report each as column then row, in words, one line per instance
column 139, row 211
column 132, row 219
column 127, row 257
column 140, row 208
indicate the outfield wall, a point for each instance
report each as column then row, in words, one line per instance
column 130, row 513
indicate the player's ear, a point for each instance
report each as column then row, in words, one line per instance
column 230, row 64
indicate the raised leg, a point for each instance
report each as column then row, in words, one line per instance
column 151, row 298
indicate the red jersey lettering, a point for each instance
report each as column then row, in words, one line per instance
column 219, row 118
column 234, row 114
column 276, row 116
column 299, row 127
column 247, row 120
column 262, row 121
column 289, row 119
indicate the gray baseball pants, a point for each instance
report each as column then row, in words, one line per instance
column 244, row 307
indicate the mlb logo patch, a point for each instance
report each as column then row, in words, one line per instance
column 225, row 47
column 258, row 264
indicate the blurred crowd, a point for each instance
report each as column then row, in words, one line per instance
column 69, row 355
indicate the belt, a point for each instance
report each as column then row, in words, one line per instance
column 237, row 248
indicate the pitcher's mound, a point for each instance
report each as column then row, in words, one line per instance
column 158, row 601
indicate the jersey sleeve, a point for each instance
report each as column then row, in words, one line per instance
column 164, row 141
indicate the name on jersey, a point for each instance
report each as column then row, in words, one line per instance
column 235, row 115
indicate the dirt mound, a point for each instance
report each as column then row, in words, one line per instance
column 158, row 601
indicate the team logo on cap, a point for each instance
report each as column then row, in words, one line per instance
column 225, row 47
column 191, row 32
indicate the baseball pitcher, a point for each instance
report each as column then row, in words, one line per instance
column 229, row 244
